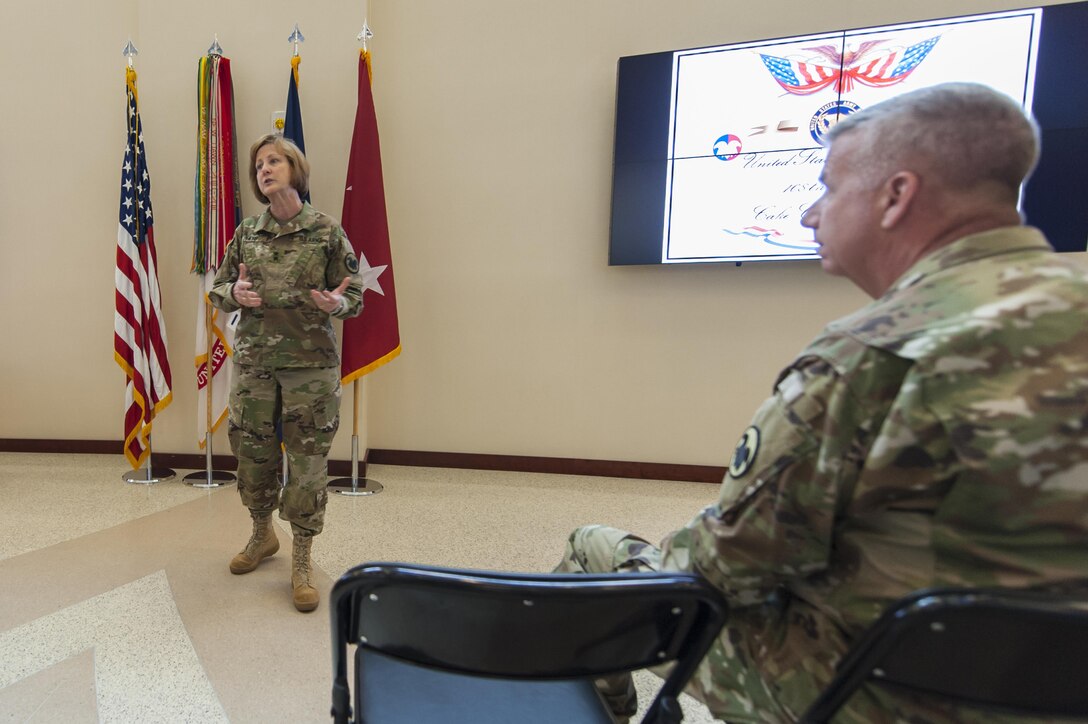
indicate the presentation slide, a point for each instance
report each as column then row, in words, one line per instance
column 748, row 121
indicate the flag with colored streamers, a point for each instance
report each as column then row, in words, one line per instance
column 217, row 213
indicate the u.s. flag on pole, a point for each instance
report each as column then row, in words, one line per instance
column 139, row 339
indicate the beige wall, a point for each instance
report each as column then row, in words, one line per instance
column 496, row 120
column 62, row 148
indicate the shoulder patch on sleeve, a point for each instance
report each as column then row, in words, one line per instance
column 351, row 263
column 745, row 454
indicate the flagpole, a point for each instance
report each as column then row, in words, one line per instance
column 294, row 38
column 209, row 478
column 359, row 486
column 150, row 475
column 205, row 257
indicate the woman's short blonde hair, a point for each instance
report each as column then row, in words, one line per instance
column 300, row 167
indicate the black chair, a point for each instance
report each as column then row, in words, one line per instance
column 448, row 645
column 996, row 650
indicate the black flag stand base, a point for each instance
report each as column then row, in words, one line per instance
column 359, row 486
column 208, row 478
column 148, row 475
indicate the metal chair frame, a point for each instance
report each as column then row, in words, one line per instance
column 1001, row 650
column 488, row 636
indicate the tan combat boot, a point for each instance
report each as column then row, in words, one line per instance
column 262, row 544
column 303, row 592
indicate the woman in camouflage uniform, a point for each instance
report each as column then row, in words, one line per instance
column 289, row 270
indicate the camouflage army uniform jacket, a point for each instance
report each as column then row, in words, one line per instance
column 284, row 262
column 934, row 437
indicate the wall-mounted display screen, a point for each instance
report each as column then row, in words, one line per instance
column 718, row 150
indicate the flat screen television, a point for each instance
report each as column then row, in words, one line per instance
column 718, row 150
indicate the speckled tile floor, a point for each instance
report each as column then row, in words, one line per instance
column 116, row 604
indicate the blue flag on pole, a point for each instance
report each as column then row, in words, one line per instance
column 292, row 131
column 292, row 121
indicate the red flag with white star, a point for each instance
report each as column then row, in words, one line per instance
column 372, row 338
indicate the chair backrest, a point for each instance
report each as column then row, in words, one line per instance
column 995, row 649
column 523, row 625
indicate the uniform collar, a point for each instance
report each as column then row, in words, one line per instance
column 304, row 219
column 971, row 248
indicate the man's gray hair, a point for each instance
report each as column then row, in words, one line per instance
column 968, row 134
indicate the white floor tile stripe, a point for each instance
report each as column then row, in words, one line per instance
column 145, row 666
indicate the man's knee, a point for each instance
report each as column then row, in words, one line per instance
column 601, row 549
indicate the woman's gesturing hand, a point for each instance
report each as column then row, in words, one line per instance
column 330, row 301
column 243, row 290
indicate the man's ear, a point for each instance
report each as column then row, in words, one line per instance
column 896, row 197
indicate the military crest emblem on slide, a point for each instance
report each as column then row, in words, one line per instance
column 745, row 454
column 827, row 116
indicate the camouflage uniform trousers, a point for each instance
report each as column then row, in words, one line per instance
column 600, row 549
column 307, row 401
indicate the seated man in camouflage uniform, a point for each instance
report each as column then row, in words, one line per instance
column 935, row 437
